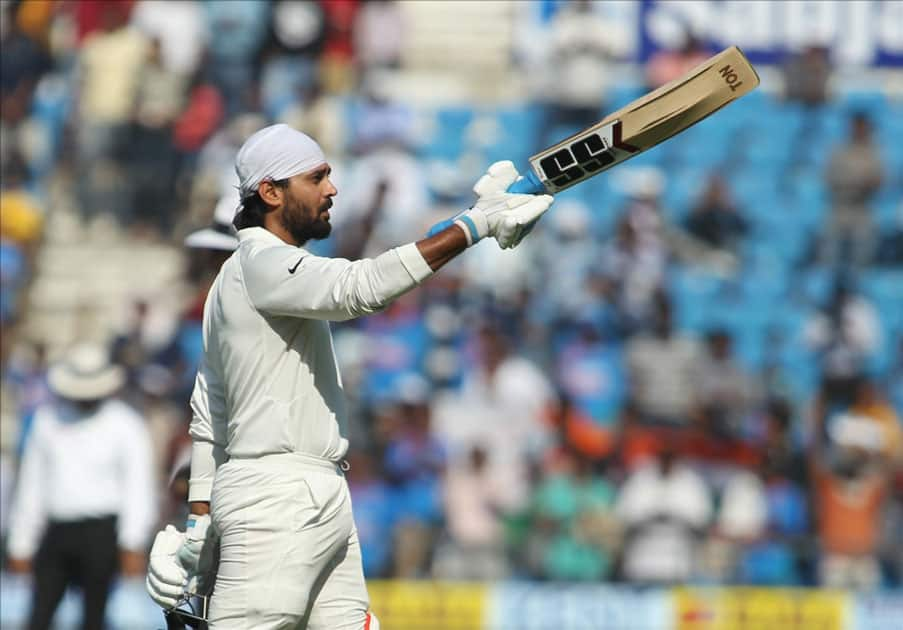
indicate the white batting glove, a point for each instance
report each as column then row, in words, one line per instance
column 181, row 562
column 166, row 576
column 197, row 553
column 506, row 216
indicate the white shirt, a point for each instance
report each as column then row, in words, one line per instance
column 662, row 550
column 180, row 28
column 77, row 467
column 268, row 380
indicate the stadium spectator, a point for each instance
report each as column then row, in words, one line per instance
column 568, row 250
column 475, row 508
column 289, row 61
column 853, row 175
column 782, row 552
column 414, row 462
column 573, row 531
column 337, row 59
column 147, row 332
column 673, row 63
column 727, row 392
column 591, row 373
column 382, row 138
column 180, row 30
column 237, row 31
column 871, row 412
column 579, row 65
column 780, row 446
column 378, row 35
column 501, row 404
column 851, row 487
column 85, row 498
column 374, row 508
column 845, row 334
column 24, row 58
column 152, row 155
column 740, row 522
column 663, row 367
column 26, row 370
column 110, row 62
column 665, row 508
column 806, row 76
column 715, row 219
column 638, row 264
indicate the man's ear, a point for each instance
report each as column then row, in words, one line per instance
column 270, row 193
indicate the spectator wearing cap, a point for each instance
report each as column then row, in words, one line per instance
column 85, row 500
column 851, row 488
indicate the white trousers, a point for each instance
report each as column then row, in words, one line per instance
column 289, row 553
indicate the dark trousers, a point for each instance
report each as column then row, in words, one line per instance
column 79, row 553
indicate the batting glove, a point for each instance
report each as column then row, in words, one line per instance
column 166, row 576
column 506, row 216
column 181, row 562
column 197, row 553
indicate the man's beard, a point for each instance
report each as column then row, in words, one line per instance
column 298, row 222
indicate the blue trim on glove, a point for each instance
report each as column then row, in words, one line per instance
column 474, row 233
column 438, row 227
column 529, row 184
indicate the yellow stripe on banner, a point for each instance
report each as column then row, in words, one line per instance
column 434, row 605
column 758, row 609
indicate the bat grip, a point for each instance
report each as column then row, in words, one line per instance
column 529, row 184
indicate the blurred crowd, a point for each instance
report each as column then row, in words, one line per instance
column 642, row 393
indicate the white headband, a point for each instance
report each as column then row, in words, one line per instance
column 273, row 153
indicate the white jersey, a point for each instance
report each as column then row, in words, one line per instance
column 268, row 380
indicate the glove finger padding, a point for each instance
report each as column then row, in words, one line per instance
column 497, row 179
column 165, row 595
column 520, row 220
column 165, row 575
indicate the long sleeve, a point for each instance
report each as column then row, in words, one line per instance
column 289, row 281
column 138, row 513
column 208, row 432
column 29, row 518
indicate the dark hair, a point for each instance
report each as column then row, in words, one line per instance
column 254, row 208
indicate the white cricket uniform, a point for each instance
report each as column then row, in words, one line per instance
column 268, row 410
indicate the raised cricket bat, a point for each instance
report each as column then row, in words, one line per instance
column 642, row 124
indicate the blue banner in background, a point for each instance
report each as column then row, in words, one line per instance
column 858, row 33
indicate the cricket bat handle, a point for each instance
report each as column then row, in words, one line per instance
column 529, row 184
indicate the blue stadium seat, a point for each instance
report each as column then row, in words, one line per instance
column 815, row 285
column 871, row 102
column 694, row 294
column 620, row 95
column 884, row 287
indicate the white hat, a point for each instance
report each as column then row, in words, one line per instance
column 856, row 431
column 220, row 235
column 273, row 153
column 85, row 373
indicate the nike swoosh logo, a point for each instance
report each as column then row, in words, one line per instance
column 295, row 268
